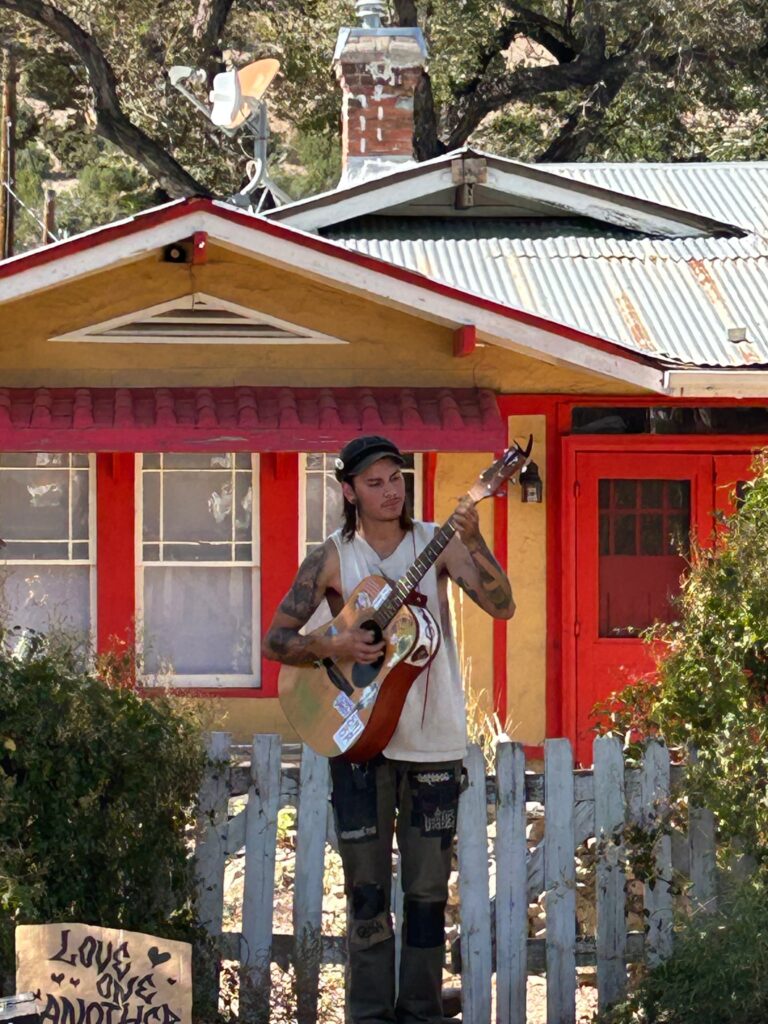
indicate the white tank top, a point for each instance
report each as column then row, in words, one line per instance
column 443, row 734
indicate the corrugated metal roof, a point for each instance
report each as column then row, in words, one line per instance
column 676, row 305
column 675, row 298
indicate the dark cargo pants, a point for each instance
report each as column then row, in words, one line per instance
column 423, row 799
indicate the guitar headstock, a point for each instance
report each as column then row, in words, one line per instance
column 505, row 468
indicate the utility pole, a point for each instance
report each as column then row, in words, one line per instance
column 8, row 156
column 49, row 217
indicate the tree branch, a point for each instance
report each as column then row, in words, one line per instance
column 209, row 23
column 525, row 84
column 426, row 141
column 406, row 13
column 111, row 122
column 583, row 123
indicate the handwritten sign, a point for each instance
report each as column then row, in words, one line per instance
column 82, row 974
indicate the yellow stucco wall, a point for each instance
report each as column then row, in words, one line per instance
column 474, row 628
column 386, row 346
column 243, row 717
column 527, row 631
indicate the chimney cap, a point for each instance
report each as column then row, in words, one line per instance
column 370, row 12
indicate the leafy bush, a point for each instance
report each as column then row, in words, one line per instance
column 716, row 974
column 711, row 687
column 97, row 786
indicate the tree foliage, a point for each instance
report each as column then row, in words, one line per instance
column 536, row 80
column 97, row 785
column 711, row 692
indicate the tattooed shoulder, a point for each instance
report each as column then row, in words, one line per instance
column 308, row 588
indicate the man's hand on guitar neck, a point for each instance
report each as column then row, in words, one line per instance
column 472, row 566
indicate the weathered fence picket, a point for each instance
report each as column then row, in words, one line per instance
column 259, row 878
column 560, row 882
column 314, row 786
column 578, row 805
column 511, row 903
column 654, row 795
column 611, row 927
column 474, row 893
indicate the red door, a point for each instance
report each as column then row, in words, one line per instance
column 634, row 518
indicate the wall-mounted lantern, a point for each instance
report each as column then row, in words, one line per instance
column 531, row 484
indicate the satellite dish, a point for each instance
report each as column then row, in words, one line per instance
column 235, row 93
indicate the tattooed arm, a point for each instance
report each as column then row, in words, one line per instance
column 317, row 578
column 470, row 563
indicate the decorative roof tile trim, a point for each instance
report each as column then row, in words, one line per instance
column 246, row 419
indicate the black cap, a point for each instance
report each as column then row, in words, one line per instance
column 361, row 452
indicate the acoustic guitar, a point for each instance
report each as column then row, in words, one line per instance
column 350, row 709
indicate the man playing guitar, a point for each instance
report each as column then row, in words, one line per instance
column 414, row 784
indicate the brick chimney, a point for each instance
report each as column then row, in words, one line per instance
column 378, row 68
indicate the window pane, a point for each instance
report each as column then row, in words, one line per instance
column 243, row 506
column 80, row 498
column 150, row 460
column 197, row 552
column 651, row 535
column 81, row 551
column 334, row 505
column 624, row 535
column 243, row 460
column 151, row 552
column 34, row 504
column 197, row 460
column 150, row 485
column 625, row 493
column 243, row 553
column 198, row 620
column 314, row 507
column 650, row 493
column 197, row 506
column 604, row 493
column 46, row 597
column 36, row 551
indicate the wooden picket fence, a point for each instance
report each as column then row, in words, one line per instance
column 578, row 804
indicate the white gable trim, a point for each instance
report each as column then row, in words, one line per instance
column 177, row 331
column 565, row 195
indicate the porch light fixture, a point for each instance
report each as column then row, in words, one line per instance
column 531, row 484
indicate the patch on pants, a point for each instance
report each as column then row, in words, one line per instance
column 355, row 803
column 371, row 921
column 424, row 924
column 434, row 803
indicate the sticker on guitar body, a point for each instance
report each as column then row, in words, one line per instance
column 345, row 736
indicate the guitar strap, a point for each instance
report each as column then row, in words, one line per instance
column 420, row 601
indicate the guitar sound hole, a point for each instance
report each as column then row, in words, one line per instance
column 364, row 674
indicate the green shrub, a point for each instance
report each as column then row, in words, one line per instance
column 97, row 788
column 711, row 688
column 717, row 972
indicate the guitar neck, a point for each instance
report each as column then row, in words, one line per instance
column 408, row 582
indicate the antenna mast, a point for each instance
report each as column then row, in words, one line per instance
column 238, row 104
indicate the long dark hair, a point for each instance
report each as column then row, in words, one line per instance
column 349, row 528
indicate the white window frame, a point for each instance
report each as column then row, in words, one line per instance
column 207, row 681
column 92, row 539
column 418, row 495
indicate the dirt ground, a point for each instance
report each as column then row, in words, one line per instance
column 331, row 1009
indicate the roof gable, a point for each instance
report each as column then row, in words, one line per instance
column 310, row 257
column 499, row 188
